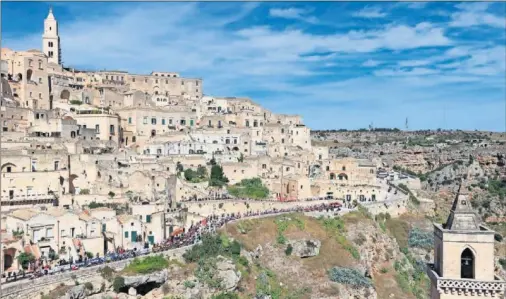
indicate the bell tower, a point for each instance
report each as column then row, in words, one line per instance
column 51, row 39
column 463, row 256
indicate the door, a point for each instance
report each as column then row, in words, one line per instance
column 134, row 236
column 191, row 122
column 151, row 240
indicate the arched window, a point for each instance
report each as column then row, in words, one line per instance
column 467, row 264
column 29, row 75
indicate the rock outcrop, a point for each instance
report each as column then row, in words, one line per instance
column 230, row 277
column 305, row 248
column 137, row 280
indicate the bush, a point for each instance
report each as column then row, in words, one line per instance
column 225, row 295
column 118, row 283
column 84, row 191
column 243, row 261
column 348, row 276
column 25, row 259
column 107, row 273
column 235, row 248
column 498, row 237
column 249, row 188
column 502, row 262
column 147, row 265
column 420, row 239
column 88, row 285
column 288, row 250
column 384, row 270
column 189, row 284
column 76, row 102
column 211, row 246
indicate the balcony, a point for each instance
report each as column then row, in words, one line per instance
column 467, row 287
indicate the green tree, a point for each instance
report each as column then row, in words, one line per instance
column 25, row 259
column 179, row 167
column 202, row 172
column 189, row 174
column 111, row 194
column 218, row 178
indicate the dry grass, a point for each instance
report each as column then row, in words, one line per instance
column 386, row 285
column 292, row 271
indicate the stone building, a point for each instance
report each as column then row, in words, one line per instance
column 464, row 265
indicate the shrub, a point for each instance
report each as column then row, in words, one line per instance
column 118, row 283
column 288, row 250
column 211, row 246
column 502, row 262
column 76, row 102
column 146, row 265
column 84, row 191
column 88, row 285
column 225, row 295
column 249, row 188
column 348, row 276
column 107, row 273
column 420, row 239
column 384, row 270
column 281, row 239
column 243, row 261
column 235, row 248
column 498, row 237
column 189, row 284
column 25, row 259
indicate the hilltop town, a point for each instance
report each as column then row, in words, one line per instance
column 101, row 167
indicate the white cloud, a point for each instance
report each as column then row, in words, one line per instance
column 370, row 12
column 475, row 14
column 280, row 63
column 371, row 63
column 293, row 13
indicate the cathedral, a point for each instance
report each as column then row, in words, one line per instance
column 464, row 256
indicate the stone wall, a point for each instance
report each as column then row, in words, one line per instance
column 31, row 288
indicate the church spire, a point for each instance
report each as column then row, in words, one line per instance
column 50, row 15
column 462, row 215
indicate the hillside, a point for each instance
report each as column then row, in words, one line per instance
column 288, row 256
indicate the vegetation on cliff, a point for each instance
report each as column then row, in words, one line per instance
column 249, row 188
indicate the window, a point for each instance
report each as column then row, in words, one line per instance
column 148, row 218
column 163, row 121
column 145, row 121
column 40, row 64
column 56, row 165
column 130, row 120
column 50, row 54
column 153, row 121
column 170, row 121
column 111, row 129
column 50, row 44
column 282, row 131
column 344, row 168
column 9, row 169
column 133, row 79
column 30, row 63
column 97, row 129
column 182, row 82
column 126, row 234
column 197, row 83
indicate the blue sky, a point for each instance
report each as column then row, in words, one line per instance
column 338, row 64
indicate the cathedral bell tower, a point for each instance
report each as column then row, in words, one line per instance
column 463, row 256
column 51, row 39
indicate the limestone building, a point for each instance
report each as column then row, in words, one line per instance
column 464, row 256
